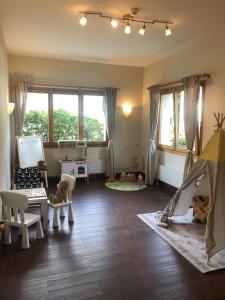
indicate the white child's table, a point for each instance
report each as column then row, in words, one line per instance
column 38, row 196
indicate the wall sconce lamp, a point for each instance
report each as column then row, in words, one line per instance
column 11, row 106
column 127, row 109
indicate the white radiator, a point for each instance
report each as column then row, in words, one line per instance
column 96, row 166
column 170, row 176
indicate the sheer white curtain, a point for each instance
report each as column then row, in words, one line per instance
column 191, row 98
column 17, row 94
column 151, row 159
column 109, row 107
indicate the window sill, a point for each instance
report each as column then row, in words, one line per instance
column 53, row 145
column 182, row 152
column 97, row 144
column 172, row 150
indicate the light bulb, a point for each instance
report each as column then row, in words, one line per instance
column 142, row 30
column 168, row 31
column 114, row 23
column 127, row 29
column 83, row 21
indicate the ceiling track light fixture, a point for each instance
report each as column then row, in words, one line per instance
column 114, row 23
column 127, row 29
column 168, row 30
column 127, row 19
column 142, row 30
column 83, row 20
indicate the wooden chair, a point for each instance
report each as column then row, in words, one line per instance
column 71, row 185
column 16, row 202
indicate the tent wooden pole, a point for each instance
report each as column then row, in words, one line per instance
column 220, row 118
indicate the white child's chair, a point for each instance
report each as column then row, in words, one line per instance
column 71, row 185
column 17, row 202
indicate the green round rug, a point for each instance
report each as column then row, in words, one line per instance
column 125, row 186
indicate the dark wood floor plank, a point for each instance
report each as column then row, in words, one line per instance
column 108, row 254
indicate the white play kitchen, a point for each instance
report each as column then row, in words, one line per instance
column 73, row 158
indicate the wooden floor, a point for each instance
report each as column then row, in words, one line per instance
column 107, row 254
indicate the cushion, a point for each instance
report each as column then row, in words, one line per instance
column 200, row 209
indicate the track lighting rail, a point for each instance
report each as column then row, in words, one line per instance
column 127, row 19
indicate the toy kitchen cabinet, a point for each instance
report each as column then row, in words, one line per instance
column 75, row 168
column 74, row 159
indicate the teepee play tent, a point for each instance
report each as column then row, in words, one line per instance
column 207, row 178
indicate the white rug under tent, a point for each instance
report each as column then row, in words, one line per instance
column 188, row 239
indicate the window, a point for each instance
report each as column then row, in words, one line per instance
column 36, row 115
column 171, row 119
column 65, row 115
column 93, row 118
column 166, row 120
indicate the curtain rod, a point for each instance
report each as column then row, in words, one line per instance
column 39, row 84
column 202, row 77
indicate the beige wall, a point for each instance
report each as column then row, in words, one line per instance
column 4, row 120
column 206, row 56
column 128, row 79
column 132, row 134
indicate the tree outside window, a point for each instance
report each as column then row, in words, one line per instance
column 71, row 117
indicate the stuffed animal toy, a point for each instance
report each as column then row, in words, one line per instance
column 111, row 179
column 200, row 209
column 140, row 179
column 41, row 165
column 131, row 178
column 123, row 176
column 60, row 195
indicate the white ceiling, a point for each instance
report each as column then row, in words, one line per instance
column 50, row 28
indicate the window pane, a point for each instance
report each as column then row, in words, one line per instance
column 181, row 141
column 36, row 116
column 93, row 118
column 65, row 117
column 166, row 120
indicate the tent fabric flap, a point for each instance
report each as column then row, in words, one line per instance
column 215, row 229
column 215, row 149
column 182, row 199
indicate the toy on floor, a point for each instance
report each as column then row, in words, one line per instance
column 2, row 226
column 111, row 179
column 60, row 195
column 140, row 179
column 131, row 178
column 200, row 209
column 123, row 176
